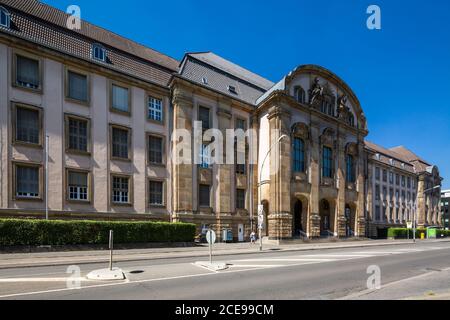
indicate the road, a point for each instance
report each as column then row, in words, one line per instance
column 413, row 271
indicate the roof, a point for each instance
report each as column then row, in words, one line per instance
column 46, row 25
column 386, row 155
column 220, row 74
column 407, row 154
column 220, row 63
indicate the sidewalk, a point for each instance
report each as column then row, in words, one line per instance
column 22, row 260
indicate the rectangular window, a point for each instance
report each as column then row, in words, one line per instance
column 240, row 124
column 403, row 196
column 78, row 134
column 377, row 192
column 77, row 86
column 240, row 199
column 403, row 181
column 327, row 163
column 377, row 213
column 120, row 99
column 397, row 179
column 27, row 72
column 120, row 143
column 204, row 198
column 156, row 193
column 384, row 193
column 205, row 159
column 391, row 194
column 377, row 173
column 78, row 186
column 121, row 190
column 299, row 155
column 350, row 169
column 155, row 149
column 27, row 181
column 204, row 117
column 391, row 177
column 155, row 109
column 28, row 125
column 409, row 182
column 385, row 175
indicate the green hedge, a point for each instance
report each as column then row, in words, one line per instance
column 402, row 233
column 54, row 232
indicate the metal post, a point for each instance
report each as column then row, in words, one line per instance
column 210, row 248
column 111, row 247
column 46, row 176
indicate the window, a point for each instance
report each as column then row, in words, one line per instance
column 327, row 162
column 120, row 143
column 28, row 123
column 232, row 89
column 351, row 120
column 203, row 116
column 77, row 86
column 397, row 196
column 377, row 213
column 299, row 155
column 397, row 179
column 377, row 192
column 403, row 196
column 155, row 109
column 403, row 181
column 204, row 196
column 384, row 193
column 27, row 181
column 120, row 99
column 155, row 149
column 121, row 190
column 241, row 124
column 156, row 193
column 78, row 186
column 409, row 182
column 98, row 52
column 238, row 154
column 5, row 18
column 27, row 72
column 300, row 94
column 240, row 199
column 384, row 175
column 77, row 134
column 391, row 194
column 377, row 173
column 391, row 177
column 204, row 157
column 350, row 169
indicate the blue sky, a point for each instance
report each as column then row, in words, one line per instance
column 401, row 73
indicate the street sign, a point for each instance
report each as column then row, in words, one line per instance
column 260, row 226
column 211, row 237
column 409, row 225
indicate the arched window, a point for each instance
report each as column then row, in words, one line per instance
column 350, row 169
column 300, row 94
column 5, row 18
column 327, row 107
column 351, row 120
column 98, row 52
column 327, row 162
column 299, row 155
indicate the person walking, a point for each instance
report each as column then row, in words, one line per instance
column 253, row 237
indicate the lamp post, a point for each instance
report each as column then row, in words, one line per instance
column 259, row 186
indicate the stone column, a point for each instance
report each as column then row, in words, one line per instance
column 340, row 219
column 253, row 157
column 360, row 216
column 280, row 218
column 182, row 172
column 314, row 217
column 421, row 202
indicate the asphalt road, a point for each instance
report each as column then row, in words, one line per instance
column 406, row 271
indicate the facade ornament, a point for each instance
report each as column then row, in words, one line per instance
column 316, row 91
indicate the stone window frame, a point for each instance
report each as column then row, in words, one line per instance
column 150, row 96
column 130, row 145
column 14, row 140
column 202, row 206
column 67, row 118
column 130, row 202
column 332, row 161
column 295, row 137
column 203, row 106
column 163, row 149
column 67, row 70
column 28, row 55
column 298, row 88
column 244, row 207
column 351, row 150
column 164, row 193
column 114, row 83
column 90, row 191
column 40, row 167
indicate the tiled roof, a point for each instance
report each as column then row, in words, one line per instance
column 45, row 25
column 386, row 155
column 195, row 70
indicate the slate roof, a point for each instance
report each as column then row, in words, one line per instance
column 46, row 26
column 220, row 74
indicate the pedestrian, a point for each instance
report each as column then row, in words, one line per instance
column 253, row 237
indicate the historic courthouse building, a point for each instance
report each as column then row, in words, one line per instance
column 110, row 109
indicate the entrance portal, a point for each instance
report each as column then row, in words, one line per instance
column 298, row 223
column 325, row 217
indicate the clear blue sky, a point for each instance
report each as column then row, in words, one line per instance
column 401, row 73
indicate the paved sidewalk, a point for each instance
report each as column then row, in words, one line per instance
column 19, row 260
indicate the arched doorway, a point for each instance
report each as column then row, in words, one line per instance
column 325, row 217
column 265, row 231
column 350, row 221
column 298, row 218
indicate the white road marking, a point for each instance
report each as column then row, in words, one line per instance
column 12, row 280
column 286, row 260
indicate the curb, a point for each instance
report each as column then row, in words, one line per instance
column 205, row 254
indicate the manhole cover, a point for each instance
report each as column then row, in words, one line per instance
column 136, row 271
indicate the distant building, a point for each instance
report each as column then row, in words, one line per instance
column 445, row 208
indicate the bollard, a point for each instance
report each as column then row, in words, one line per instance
column 111, row 247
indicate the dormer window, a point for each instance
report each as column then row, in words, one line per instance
column 5, row 18
column 300, row 95
column 98, row 52
column 391, row 161
column 205, row 80
column 377, row 156
column 232, row 89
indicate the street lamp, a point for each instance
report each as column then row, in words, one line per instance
column 259, row 186
column 414, row 218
